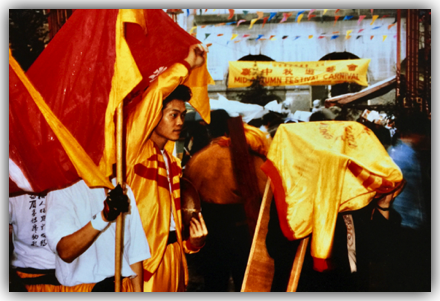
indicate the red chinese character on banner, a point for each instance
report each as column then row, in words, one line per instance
column 330, row 69
column 287, row 72
column 267, row 71
column 352, row 67
column 246, row 71
column 310, row 71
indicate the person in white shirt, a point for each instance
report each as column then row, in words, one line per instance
column 81, row 231
column 31, row 259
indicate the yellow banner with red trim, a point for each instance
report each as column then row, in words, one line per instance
column 242, row 73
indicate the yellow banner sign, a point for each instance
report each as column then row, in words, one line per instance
column 242, row 73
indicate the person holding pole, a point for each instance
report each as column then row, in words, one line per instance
column 81, row 232
column 154, row 174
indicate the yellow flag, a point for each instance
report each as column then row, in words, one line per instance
column 234, row 36
column 192, row 29
column 300, row 17
column 325, row 10
column 384, row 38
column 253, row 22
column 374, row 19
column 304, row 156
column 310, row 36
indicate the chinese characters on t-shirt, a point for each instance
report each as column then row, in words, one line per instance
column 37, row 208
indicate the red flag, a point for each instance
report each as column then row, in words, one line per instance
column 83, row 74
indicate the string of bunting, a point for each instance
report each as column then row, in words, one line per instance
column 299, row 15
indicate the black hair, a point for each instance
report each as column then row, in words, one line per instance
column 182, row 93
column 219, row 123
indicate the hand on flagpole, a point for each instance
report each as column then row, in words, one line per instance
column 196, row 55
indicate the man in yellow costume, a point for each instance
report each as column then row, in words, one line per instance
column 154, row 173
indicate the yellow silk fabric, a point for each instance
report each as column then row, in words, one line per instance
column 127, row 76
column 170, row 275
column 153, row 200
column 309, row 165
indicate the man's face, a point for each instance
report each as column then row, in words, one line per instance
column 172, row 120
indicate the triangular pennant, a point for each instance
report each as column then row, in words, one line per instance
column 284, row 37
column 245, row 12
column 361, row 17
column 187, row 12
column 335, row 37
column 371, row 37
column 207, row 35
column 360, row 30
column 195, row 11
column 311, row 16
column 229, row 23
column 241, row 21
column 234, row 36
column 347, row 37
column 220, row 34
column 310, row 36
column 384, row 16
column 272, row 15
column 348, row 32
column 384, row 38
column 285, row 16
column 335, row 32
column 246, row 35
column 271, row 37
column 209, row 45
column 260, row 14
column 259, row 37
column 206, row 10
column 231, row 14
column 311, row 11
column 377, row 27
column 371, row 10
column 374, row 19
column 321, row 37
column 202, row 26
column 336, row 19
column 297, row 37
column 358, row 37
column 237, row 41
column 253, row 22
column 347, row 18
column 300, row 17
column 300, row 12
column 264, row 21
column 391, row 25
column 336, row 11
column 325, row 10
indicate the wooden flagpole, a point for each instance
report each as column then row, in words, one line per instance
column 120, row 179
column 297, row 265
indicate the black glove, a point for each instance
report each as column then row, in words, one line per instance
column 115, row 203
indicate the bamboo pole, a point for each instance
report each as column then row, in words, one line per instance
column 259, row 270
column 295, row 273
column 119, row 178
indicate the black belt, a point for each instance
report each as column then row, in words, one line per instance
column 172, row 237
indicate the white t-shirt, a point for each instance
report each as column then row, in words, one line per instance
column 70, row 209
column 27, row 215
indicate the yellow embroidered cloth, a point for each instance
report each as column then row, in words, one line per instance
column 318, row 169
